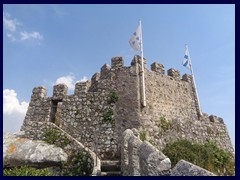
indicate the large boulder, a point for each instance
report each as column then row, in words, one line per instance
column 19, row 151
column 152, row 161
column 185, row 168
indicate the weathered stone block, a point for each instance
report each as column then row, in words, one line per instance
column 21, row 151
column 152, row 161
column 173, row 73
column 213, row 118
column 82, row 87
column 184, row 168
column 220, row 120
column 105, row 71
column 59, row 91
column 187, row 78
column 124, row 151
column 133, row 146
column 137, row 60
column 117, row 62
column 157, row 67
column 39, row 92
column 95, row 78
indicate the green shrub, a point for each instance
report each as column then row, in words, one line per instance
column 207, row 156
column 108, row 116
column 143, row 134
column 79, row 165
column 165, row 125
column 26, row 171
column 53, row 136
column 113, row 97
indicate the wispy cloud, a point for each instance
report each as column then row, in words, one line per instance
column 83, row 79
column 70, row 81
column 14, row 34
column 8, row 23
column 34, row 35
column 13, row 111
column 11, row 37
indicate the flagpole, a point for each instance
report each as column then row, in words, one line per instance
column 142, row 68
column 195, row 87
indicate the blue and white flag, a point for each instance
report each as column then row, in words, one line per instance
column 135, row 39
column 186, row 60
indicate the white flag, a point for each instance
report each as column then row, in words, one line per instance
column 135, row 39
column 186, row 60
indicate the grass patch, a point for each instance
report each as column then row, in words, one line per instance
column 26, row 171
column 80, row 164
column 53, row 136
column 143, row 134
column 207, row 156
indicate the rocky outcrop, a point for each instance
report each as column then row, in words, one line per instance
column 184, row 168
column 141, row 158
column 152, row 161
column 18, row 151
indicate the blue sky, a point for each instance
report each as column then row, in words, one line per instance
column 48, row 44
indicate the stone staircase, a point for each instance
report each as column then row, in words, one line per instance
column 110, row 168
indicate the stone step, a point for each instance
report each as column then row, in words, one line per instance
column 111, row 173
column 110, row 168
column 110, row 162
column 107, row 168
column 112, row 165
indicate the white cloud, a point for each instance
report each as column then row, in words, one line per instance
column 9, row 24
column 14, row 34
column 10, row 36
column 13, row 111
column 83, row 79
column 69, row 80
column 34, row 35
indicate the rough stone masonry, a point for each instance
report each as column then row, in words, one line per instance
column 92, row 117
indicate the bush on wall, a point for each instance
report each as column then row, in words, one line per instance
column 208, row 156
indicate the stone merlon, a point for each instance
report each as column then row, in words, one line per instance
column 174, row 73
column 157, row 67
column 117, row 62
column 59, row 91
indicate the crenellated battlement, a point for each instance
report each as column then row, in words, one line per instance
column 39, row 92
column 106, row 72
column 110, row 102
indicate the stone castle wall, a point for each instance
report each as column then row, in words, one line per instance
column 172, row 112
column 90, row 117
column 84, row 114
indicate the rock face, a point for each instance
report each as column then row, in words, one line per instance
column 184, row 168
column 19, row 151
column 152, row 161
column 141, row 158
